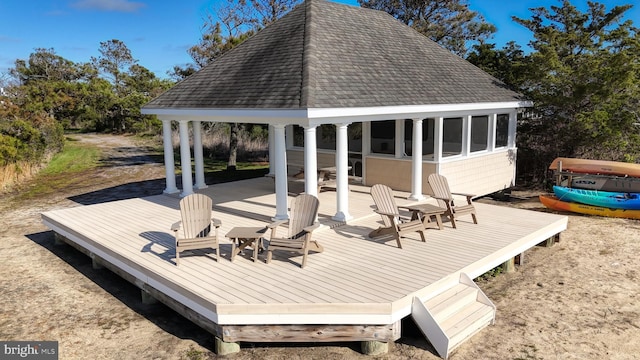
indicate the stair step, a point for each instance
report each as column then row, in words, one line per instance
column 467, row 322
column 451, row 301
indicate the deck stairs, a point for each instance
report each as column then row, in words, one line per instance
column 454, row 315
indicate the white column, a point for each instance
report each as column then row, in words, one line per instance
column 342, row 173
column 185, row 159
column 416, row 161
column 197, row 154
column 271, row 151
column 280, row 157
column 169, row 167
column 438, row 128
column 466, row 135
column 310, row 161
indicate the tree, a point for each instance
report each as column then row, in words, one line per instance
column 450, row 23
column 583, row 76
column 114, row 60
column 506, row 64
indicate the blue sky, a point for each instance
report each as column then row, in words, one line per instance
column 158, row 32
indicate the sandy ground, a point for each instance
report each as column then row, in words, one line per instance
column 576, row 300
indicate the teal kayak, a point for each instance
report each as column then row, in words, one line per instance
column 612, row 200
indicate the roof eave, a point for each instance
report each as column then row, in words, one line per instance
column 317, row 116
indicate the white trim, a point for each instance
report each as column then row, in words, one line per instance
column 319, row 116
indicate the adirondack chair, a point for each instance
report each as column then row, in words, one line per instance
column 304, row 211
column 197, row 226
column 441, row 192
column 394, row 223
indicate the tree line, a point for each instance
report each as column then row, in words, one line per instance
column 581, row 71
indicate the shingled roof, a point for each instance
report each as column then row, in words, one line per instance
column 328, row 55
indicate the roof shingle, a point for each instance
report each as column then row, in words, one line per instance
column 328, row 55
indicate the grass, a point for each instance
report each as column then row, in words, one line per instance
column 64, row 170
column 74, row 158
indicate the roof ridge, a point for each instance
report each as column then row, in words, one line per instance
column 307, row 86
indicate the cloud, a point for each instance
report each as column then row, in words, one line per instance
column 108, row 5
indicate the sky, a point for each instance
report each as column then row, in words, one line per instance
column 159, row 32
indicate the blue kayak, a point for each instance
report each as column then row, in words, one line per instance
column 612, row 200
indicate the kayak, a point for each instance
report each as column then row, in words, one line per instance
column 614, row 200
column 607, row 183
column 588, row 166
column 553, row 203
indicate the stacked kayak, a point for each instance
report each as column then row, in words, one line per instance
column 554, row 203
column 614, row 200
column 605, row 188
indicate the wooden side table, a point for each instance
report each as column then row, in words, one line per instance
column 246, row 236
column 427, row 211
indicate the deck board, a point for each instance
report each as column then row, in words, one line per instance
column 355, row 279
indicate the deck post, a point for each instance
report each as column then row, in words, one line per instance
column 95, row 261
column 95, row 264
column 552, row 240
column 147, row 298
column 374, row 347
column 58, row 239
column 509, row 266
column 225, row 348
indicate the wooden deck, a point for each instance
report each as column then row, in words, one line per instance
column 355, row 281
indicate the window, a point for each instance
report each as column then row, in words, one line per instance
column 427, row 137
column 383, row 137
column 479, row 133
column 451, row 136
column 502, row 130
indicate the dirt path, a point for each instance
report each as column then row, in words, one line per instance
column 576, row 300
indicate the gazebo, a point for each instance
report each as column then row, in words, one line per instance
column 356, row 89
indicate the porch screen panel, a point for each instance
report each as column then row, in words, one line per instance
column 502, row 130
column 383, row 137
column 479, row 133
column 451, row 136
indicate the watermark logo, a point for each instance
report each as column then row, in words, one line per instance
column 32, row 350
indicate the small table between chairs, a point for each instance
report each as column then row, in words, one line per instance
column 246, row 236
column 427, row 211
